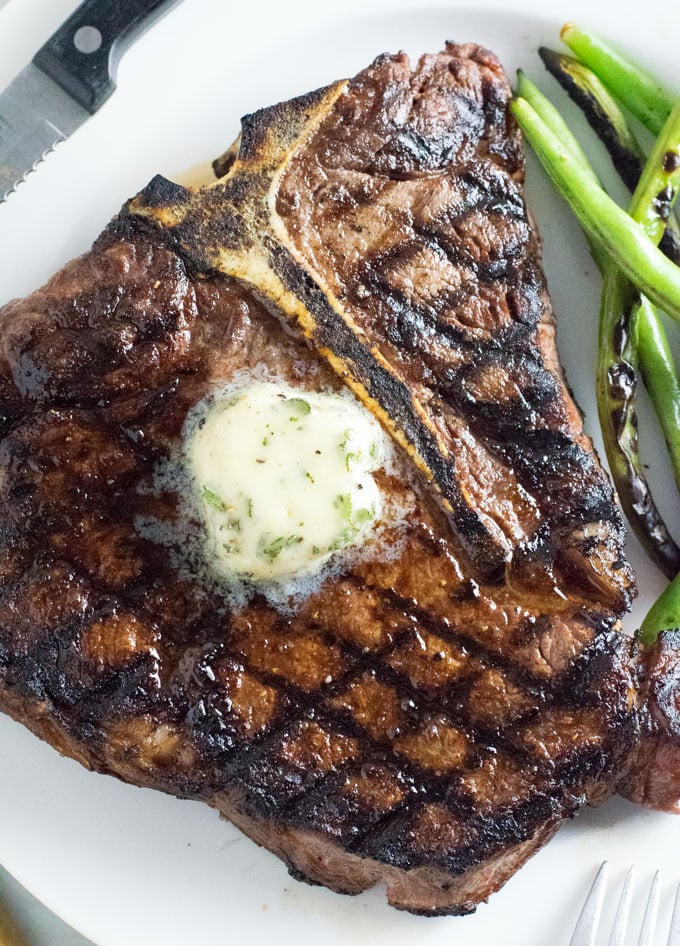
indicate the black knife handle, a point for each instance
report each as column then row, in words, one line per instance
column 83, row 54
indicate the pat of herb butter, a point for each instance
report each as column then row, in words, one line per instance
column 284, row 478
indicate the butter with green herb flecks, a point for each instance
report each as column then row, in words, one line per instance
column 284, row 478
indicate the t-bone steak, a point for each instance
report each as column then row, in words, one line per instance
column 424, row 719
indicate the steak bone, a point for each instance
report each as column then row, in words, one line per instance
column 232, row 227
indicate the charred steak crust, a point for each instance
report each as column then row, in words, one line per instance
column 418, row 721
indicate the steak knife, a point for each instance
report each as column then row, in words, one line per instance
column 67, row 81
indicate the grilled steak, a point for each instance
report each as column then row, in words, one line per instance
column 425, row 720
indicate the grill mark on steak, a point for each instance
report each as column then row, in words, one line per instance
column 288, row 688
column 420, row 720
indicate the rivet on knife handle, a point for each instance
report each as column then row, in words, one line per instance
column 83, row 54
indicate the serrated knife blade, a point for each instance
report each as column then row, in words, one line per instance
column 67, row 81
column 35, row 116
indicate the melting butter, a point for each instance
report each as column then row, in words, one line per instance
column 284, row 478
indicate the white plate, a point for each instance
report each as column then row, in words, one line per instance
column 130, row 867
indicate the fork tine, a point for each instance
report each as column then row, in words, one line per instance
column 674, row 935
column 586, row 928
column 651, row 911
column 623, row 910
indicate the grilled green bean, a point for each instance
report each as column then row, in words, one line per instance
column 605, row 223
column 664, row 615
column 602, row 111
column 658, row 186
column 611, row 126
column 660, row 376
column 616, row 386
column 642, row 95
column 544, row 108
column 608, row 122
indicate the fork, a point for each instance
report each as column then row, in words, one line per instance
column 589, row 920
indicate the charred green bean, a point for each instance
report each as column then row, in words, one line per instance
column 660, row 376
column 658, row 186
column 635, row 88
column 611, row 126
column 602, row 111
column 616, row 387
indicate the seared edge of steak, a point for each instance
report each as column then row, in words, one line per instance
column 435, row 864
column 310, row 857
column 654, row 776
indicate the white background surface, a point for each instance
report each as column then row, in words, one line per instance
column 130, row 867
